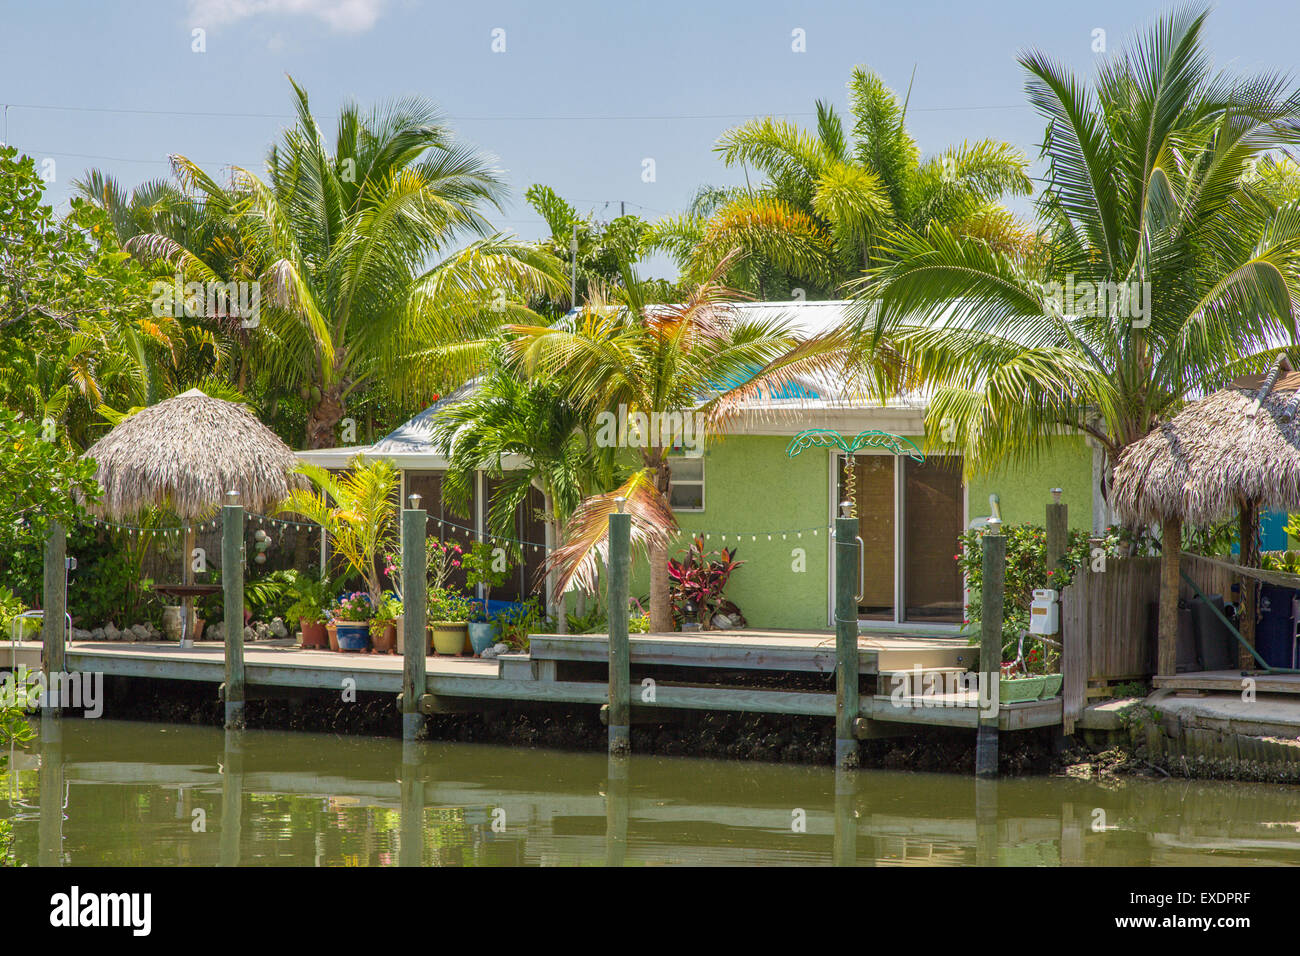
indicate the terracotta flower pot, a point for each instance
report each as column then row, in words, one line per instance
column 383, row 640
column 314, row 634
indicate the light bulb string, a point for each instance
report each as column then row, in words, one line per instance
column 214, row 524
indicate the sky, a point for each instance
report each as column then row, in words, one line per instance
column 576, row 95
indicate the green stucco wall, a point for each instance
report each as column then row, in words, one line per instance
column 750, row 486
column 1025, row 490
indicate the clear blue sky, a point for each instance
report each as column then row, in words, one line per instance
column 583, row 93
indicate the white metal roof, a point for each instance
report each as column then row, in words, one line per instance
column 827, row 401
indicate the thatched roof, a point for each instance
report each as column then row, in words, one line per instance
column 184, row 454
column 1214, row 454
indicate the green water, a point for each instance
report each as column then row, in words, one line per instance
column 123, row 794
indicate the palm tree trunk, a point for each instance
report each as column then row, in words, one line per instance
column 324, row 416
column 661, row 612
column 1248, row 534
column 557, row 538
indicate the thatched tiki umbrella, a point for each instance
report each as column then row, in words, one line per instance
column 182, row 455
column 1238, row 450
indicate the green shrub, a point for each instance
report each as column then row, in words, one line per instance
column 1026, row 572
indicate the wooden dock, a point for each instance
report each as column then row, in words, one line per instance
column 1232, row 681
column 699, row 672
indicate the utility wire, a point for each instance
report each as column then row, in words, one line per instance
column 489, row 117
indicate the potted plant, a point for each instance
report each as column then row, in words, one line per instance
column 383, row 626
column 1040, row 663
column 449, row 614
column 357, row 508
column 487, row 566
column 352, row 616
column 1015, row 685
column 696, row 585
column 310, row 599
column 441, row 558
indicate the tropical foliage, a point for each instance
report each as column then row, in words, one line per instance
column 543, row 428
column 1165, row 263
column 831, row 195
column 699, row 579
column 358, row 252
column 603, row 248
column 358, row 511
column 622, row 354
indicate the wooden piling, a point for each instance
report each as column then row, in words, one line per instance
column 986, row 823
column 232, row 580
column 410, row 841
column 414, row 588
column 51, row 781
column 1248, row 557
column 1058, row 543
column 1171, row 531
column 848, row 565
column 54, row 633
column 1058, row 534
column 993, row 546
column 620, row 652
column 190, row 622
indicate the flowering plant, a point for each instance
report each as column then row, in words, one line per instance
column 446, row 604
column 354, row 606
column 442, row 557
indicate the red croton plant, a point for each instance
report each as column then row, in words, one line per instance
column 699, row 579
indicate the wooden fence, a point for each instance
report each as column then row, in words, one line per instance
column 1108, row 627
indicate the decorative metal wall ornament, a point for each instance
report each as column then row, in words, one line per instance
column 872, row 438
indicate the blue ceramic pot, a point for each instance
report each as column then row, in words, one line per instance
column 481, row 636
column 353, row 635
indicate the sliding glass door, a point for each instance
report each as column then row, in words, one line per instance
column 909, row 517
column 933, row 519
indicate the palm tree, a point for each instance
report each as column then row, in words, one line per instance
column 831, row 194
column 155, row 206
column 603, row 247
column 357, row 253
column 537, row 420
column 159, row 217
column 358, row 510
column 1163, row 268
column 623, row 355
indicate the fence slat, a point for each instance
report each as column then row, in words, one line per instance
column 1106, row 627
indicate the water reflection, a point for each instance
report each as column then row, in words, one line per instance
column 115, row 793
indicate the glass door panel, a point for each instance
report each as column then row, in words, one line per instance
column 875, row 508
column 933, row 520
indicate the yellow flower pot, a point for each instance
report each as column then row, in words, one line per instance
column 449, row 637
